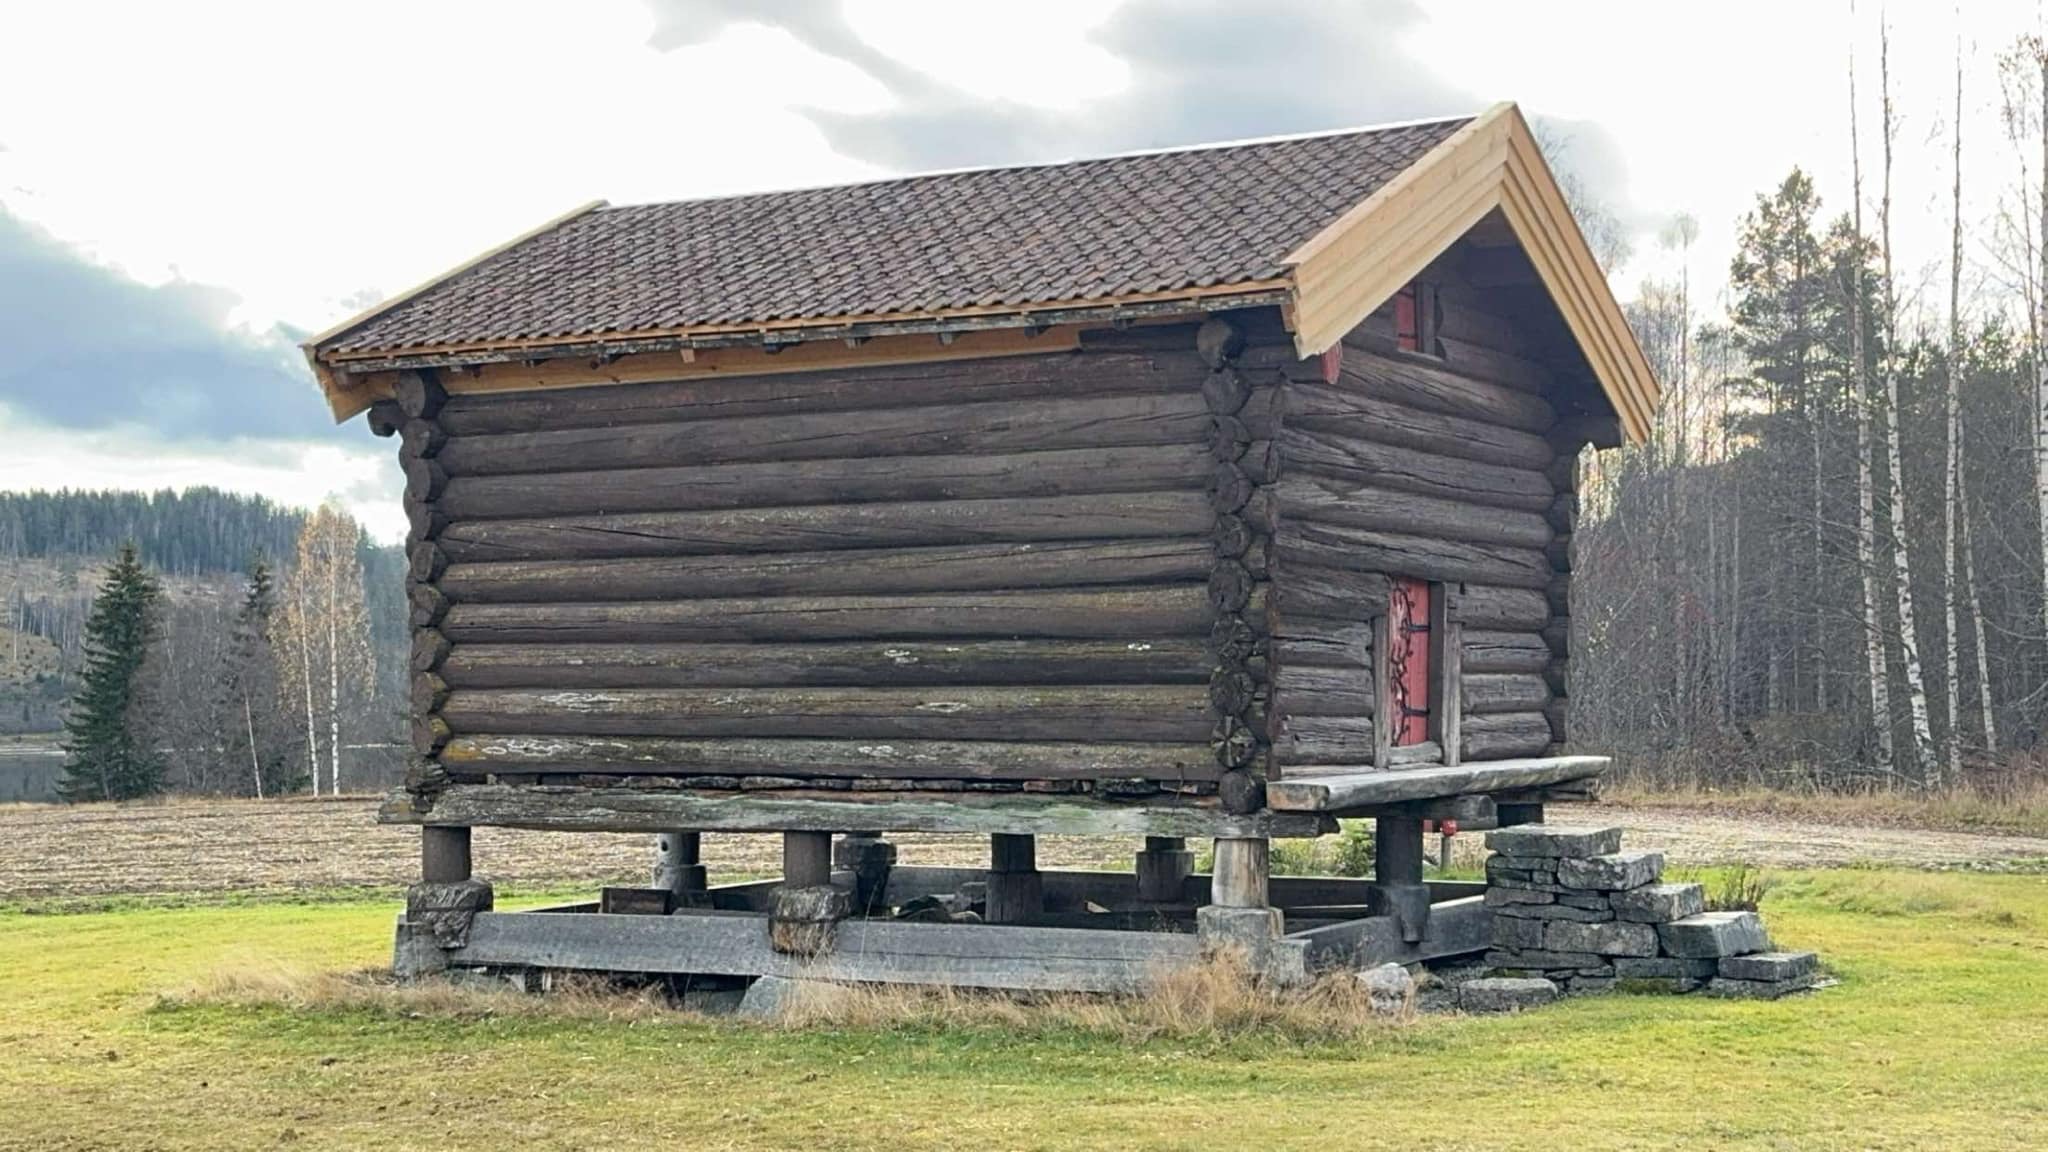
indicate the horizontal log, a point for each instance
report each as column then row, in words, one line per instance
column 1475, row 361
column 570, row 809
column 1319, row 590
column 473, row 755
column 1058, row 375
column 811, row 527
column 1412, row 382
column 1338, row 412
column 877, row 663
column 1482, row 606
column 1323, row 642
column 1408, row 469
column 1334, row 500
column 884, row 477
column 1126, row 713
column 1366, row 788
column 1324, row 740
column 1117, row 614
column 1489, row 692
column 1505, row 736
column 1487, row 650
column 935, row 569
column 1478, row 316
column 1401, row 554
column 1307, row 690
column 956, row 429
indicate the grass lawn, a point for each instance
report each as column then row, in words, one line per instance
column 1937, row 1037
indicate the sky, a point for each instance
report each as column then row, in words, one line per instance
column 186, row 191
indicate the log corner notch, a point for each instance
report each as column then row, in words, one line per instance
column 1242, row 494
column 420, row 437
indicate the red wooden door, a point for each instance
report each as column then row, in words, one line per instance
column 1408, row 661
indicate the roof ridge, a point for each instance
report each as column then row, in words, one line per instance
column 1066, row 162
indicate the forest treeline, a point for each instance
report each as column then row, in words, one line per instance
column 1824, row 568
column 184, row 533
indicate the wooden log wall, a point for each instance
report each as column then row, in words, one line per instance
column 1004, row 572
column 1457, row 467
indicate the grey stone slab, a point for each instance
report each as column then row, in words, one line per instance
column 1497, row 897
column 1505, row 994
column 1769, row 966
column 1617, row 871
column 1533, row 958
column 769, row 998
column 1589, row 985
column 1589, row 901
column 1554, row 840
column 1665, row 968
column 1714, row 934
column 1389, row 989
column 1678, row 986
column 1549, row 886
column 1757, row 989
column 1659, row 903
column 1613, row 938
column 1523, row 863
column 1515, row 932
column 1552, row 912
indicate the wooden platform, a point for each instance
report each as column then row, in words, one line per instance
column 1360, row 791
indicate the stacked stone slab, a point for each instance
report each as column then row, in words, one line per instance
column 1571, row 907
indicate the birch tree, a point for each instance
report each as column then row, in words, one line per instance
column 326, row 633
column 1866, row 504
column 1951, row 472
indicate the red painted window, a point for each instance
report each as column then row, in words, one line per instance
column 1408, row 660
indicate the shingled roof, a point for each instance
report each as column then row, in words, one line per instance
column 1256, row 222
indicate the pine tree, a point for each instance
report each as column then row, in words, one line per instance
column 104, row 759
column 246, row 710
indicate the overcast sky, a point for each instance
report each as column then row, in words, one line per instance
column 187, row 189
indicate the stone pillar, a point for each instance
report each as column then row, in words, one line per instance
column 1016, row 892
column 1238, row 915
column 869, row 859
column 1163, row 868
column 1397, row 874
column 440, row 908
column 807, row 908
column 679, row 867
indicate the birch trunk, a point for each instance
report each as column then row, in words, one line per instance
column 1866, row 512
column 306, row 679
column 1924, row 757
column 255, row 761
column 1952, row 745
column 333, row 683
column 2041, row 352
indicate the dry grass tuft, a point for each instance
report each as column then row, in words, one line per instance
column 261, row 983
column 1215, row 1000
column 2015, row 804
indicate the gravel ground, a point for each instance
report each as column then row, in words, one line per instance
column 249, row 846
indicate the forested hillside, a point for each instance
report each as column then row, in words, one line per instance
column 193, row 532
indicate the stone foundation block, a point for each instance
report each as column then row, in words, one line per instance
column 1498, row 897
column 1536, row 958
column 1389, row 990
column 1757, row 989
column 1256, row 933
column 1769, row 966
column 1505, row 994
column 1714, row 934
column 1613, row 938
column 1552, row 912
column 1659, row 903
column 803, row 921
column 1555, row 840
column 1589, row 985
column 443, row 911
column 1614, row 872
column 1665, row 968
column 1511, row 932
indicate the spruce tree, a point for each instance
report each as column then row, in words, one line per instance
column 245, row 711
column 104, row 759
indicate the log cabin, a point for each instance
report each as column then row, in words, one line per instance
column 1215, row 492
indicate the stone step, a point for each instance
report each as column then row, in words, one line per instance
column 1504, row 994
column 1614, row 872
column 1769, row 966
column 1554, row 840
column 1714, row 934
column 1659, row 903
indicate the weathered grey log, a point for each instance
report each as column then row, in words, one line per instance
column 801, row 528
column 424, row 480
column 1324, row 740
column 420, row 395
column 1475, row 361
column 1332, row 411
column 1027, row 426
column 1163, row 868
column 806, row 859
column 1364, row 788
column 1230, row 586
column 835, row 481
column 1219, row 341
column 1016, row 892
column 1136, row 712
column 1119, row 614
column 1489, row 607
column 1226, row 390
column 1308, row 690
column 429, row 648
column 1456, row 928
column 1054, row 376
column 429, row 692
column 1168, row 660
column 429, row 605
column 1334, row 500
column 426, row 562
column 575, row 809
column 385, row 418
column 473, row 756
column 1408, row 469
column 1308, row 589
column 1507, row 735
column 1489, row 650
column 1323, row 642
column 1423, row 557
column 444, row 855
column 1241, row 872
column 429, row 733
column 945, row 568
column 1444, row 390
column 1491, row 692
column 1241, row 790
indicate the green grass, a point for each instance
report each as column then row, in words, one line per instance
column 1937, row 1037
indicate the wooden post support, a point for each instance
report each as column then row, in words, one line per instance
column 678, row 865
column 806, row 859
column 1397, row 873
column 1016, row 892
column 870, row 858
column 444, row 855
column 1163, row 868
column 1242, row 867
